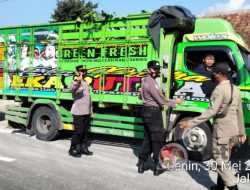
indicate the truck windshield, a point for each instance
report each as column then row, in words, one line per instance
column 246, row 57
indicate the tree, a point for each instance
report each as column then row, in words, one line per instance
column 68, row 10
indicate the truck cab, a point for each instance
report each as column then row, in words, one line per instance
column 191, row 82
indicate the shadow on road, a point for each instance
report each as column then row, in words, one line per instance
column 134, row 144
column 200, row 173
column 17, row 128
column 111, row 140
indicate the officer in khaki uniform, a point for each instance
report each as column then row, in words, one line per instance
column 228, row 124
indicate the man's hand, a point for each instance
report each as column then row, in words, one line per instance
column 78, row 79
column 179, row 100
column 242, row 138
column 184, row 124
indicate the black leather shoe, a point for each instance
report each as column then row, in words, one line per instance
column 158, row 169
column 86, row 151
column 157, row 172
column 74, row 153
column 235, row 187
column 141, row 166
column 216, row 187
column 220, row 184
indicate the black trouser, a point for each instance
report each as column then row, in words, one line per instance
column 81, row 126
column 153, row 133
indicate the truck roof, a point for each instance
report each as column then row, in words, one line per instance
column 207, row 29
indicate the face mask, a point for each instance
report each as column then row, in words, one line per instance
column 84, row 75
column 155, row 74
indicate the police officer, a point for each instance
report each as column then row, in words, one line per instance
column 153, row 101
column 226, row 110
column 81, row 110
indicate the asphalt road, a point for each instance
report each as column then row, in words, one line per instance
column 30, row 164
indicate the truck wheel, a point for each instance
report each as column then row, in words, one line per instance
column 197, row 141
column 45, row 124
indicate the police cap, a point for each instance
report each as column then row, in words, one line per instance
column 81, row 68
column 222, row 68
column 154, row 64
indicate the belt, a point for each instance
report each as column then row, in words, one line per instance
column 152, row 108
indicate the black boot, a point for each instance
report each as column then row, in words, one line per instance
column 86, row 151
column 216, row 188
column 73, row 152
column 141, row 166
column 235, row 187
column 220, row 184
column 158, row 170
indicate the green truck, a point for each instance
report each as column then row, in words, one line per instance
column 37, row 64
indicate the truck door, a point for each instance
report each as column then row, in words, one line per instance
column 192, row 76
column 193, row 83
column 245, row 89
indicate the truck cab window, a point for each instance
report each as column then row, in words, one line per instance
column 199, row 61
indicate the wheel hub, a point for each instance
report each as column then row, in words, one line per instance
column 195, row 139
column 44, row 123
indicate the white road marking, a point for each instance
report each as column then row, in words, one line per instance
column 5, row 159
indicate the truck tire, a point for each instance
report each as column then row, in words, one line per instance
column 45, row 124
column 197, row 140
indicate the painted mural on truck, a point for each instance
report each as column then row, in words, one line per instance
column 30, row 56
column 32, row 63
column 108, row 69
column 113, row 69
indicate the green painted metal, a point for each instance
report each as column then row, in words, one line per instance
column 117, row 132
column 15, row 119
column 218, row 29
column 200, row 106
column 115, row 53
column 100, row 46
column 16, row 114
column 119, row 118
column 117, row 125
column 17, row 108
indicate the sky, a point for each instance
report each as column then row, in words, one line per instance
column 26, row 12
